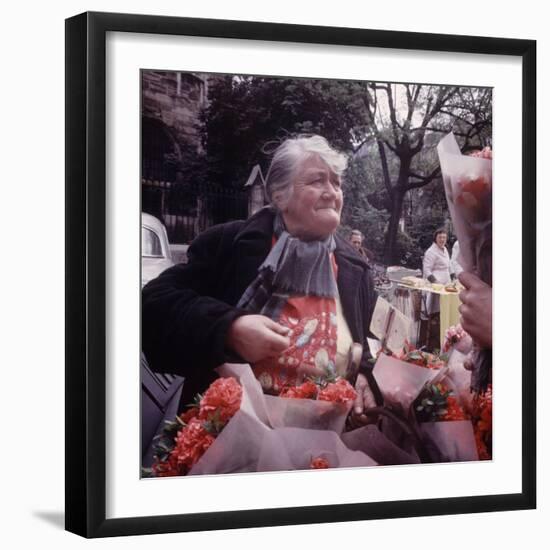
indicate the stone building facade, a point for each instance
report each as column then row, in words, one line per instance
column 171, row 104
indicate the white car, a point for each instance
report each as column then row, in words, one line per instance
column 155, row 250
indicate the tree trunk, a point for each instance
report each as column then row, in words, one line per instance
column 397, row 198
column 391, row 234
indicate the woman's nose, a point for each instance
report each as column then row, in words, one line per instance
column 329, row 192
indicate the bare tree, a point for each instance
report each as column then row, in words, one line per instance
column 400, row 117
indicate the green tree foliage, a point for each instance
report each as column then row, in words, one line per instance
column 389, row 131
column 358, row 212
column 249, row 116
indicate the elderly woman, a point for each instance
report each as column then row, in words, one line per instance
column 280, row 291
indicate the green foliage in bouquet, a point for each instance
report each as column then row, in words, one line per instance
column 164, row 442
column 431, row 404
column 214, row 425
column 329, row 377
column 423, row 358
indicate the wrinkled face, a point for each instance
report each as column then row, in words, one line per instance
column 356, row 241
column 441, row 240
column 313, row 210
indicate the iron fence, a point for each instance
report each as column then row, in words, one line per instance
column 187, row 209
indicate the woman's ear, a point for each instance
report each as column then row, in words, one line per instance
column 280, row 201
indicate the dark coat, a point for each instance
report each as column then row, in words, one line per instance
column 187, row 310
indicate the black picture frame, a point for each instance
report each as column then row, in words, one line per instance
column 86, row 269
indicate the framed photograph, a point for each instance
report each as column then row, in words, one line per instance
column 258, row 217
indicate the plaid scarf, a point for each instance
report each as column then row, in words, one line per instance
column 293, row 267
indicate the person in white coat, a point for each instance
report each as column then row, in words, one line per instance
column 436, row 268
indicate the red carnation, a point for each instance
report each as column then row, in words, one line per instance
column 319, row 463
column 307, row 390
column 338, row 392
column 167, row 468
column 483, row 423
column 192, row 442
column 454, row 410
column 185, row 417
column 224, row 395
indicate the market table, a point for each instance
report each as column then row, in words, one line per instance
column 448, row 313
column 408, row 300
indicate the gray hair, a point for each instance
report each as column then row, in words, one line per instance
column 287, row 159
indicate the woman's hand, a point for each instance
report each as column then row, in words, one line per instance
column 476, row 309
column 257, row 337
column 365, row 400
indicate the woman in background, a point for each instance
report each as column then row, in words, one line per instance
column 436, row 268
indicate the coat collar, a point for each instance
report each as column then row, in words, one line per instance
column 351, row 270
column 256, row 233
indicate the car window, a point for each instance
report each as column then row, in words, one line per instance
column 150, row 243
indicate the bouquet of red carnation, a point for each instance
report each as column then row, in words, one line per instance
column 438, row 403
column 234, row 427
column 184, row 441
column 222, row 432
column 468, row 182
column 422, row 358
column 401, row 377
column 415, row 384
column 445, row 423
column 318, row 404
column 306, row 390
column 339, row 390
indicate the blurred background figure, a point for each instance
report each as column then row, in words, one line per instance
column 436, row 268
column 356, row 240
